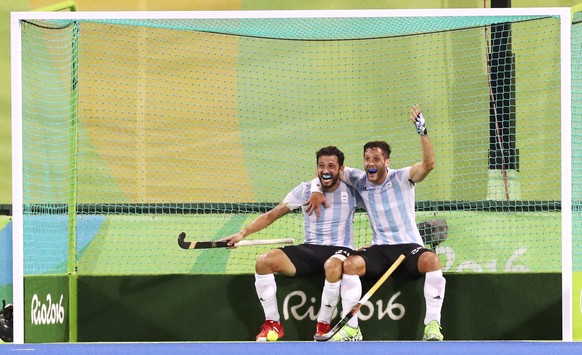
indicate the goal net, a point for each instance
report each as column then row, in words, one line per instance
column 138, row 126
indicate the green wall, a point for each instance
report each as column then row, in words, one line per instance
column 225, row 308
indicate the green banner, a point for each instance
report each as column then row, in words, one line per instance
column 225, row 308
column 46, row 312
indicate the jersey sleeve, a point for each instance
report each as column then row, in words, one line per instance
column 404, row 176
column 353, row 176
column 294, row 198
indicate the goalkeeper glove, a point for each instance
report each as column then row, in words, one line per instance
column 420, row 125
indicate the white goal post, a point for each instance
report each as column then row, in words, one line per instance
column 479, row 16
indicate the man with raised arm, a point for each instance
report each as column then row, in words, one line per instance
column 389, row 198
column 328, row 240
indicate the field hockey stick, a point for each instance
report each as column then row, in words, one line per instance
column 355, row 309
column 224, row 244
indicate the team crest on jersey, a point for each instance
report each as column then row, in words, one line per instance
column 344, row 196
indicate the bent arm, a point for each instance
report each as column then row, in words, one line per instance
column 420, row 170
column 259, row 223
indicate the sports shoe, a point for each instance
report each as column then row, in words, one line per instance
column 321, row 328
column 348, row 333
column 268, row 326
column 432, row 332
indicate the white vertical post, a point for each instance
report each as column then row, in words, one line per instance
column 566, row 170
column 17, row 183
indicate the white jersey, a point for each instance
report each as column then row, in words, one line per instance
column 335, row 225
column 390, row 206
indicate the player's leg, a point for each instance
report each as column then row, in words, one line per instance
column 434, row 294
column 267, row 264
column 331, row 291
column 351, row 292
column 275, row 261
column 351, row 285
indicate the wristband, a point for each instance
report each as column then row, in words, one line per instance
column 316, row 186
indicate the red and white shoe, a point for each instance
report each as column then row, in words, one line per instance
column 267, row 327
column 321, row 328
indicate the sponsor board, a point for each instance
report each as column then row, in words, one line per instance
column 47, row 309
column 225, row 308
column 513, row 306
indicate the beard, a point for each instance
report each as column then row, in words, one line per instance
column 329, row 183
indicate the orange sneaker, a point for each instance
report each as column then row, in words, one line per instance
column 267, row 327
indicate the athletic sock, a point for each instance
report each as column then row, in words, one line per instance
column 329, row 300
column 434, row 294
column 351, row 292
column 267, row 292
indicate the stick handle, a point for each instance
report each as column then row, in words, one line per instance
column 222, row 244
column 355, row 309
column 382, row 279
column 264, row 241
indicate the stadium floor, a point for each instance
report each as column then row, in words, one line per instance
column 281, row 348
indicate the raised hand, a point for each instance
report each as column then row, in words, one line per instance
column 418, row 120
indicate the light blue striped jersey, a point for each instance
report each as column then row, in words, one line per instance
column 390, row 206
column 335, row 225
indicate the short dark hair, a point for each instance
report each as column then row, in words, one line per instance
column 383, row 146
column 330, row 150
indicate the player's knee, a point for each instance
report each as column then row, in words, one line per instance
column 353, row 265
column 265, row 264
column 428, row 262
column 260, row 263
column 333, row 269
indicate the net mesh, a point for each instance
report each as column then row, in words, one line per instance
column 153, row 127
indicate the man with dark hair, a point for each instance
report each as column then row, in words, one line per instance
column 389, row 197
column 327, row 241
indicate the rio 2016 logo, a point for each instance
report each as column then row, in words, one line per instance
column 48, row 312
column 510, row 265
column 297, row 306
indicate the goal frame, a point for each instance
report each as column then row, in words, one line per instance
column 563, row 13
